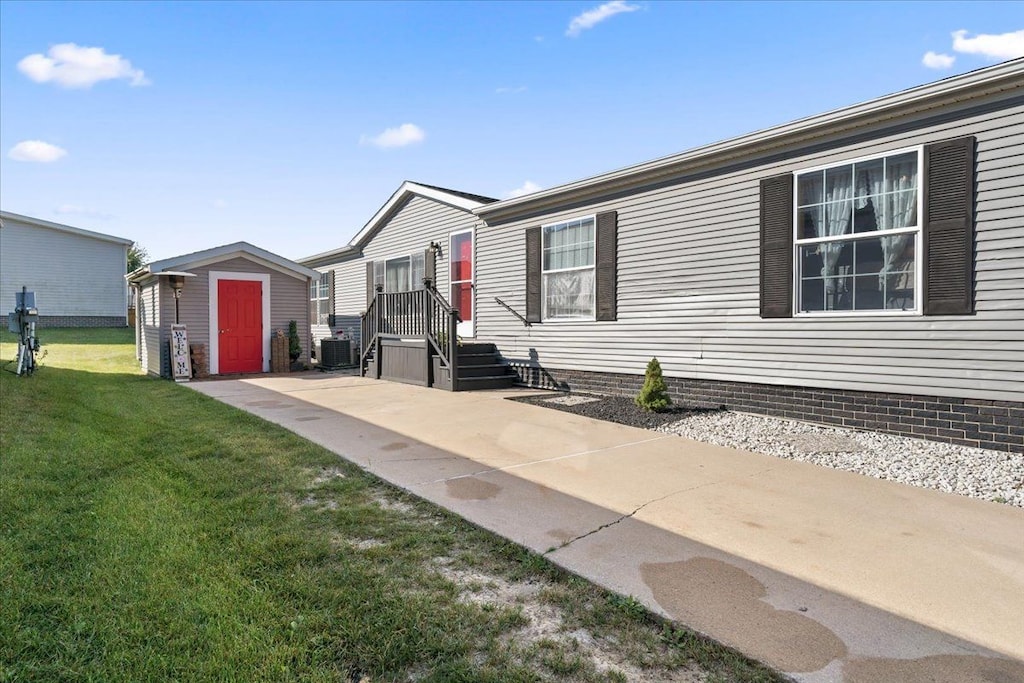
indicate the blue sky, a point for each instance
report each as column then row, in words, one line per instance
column 190, row 125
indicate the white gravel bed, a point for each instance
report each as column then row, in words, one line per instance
column 976, row 472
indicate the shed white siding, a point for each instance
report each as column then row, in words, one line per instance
column 72, row 274
column 688, row 251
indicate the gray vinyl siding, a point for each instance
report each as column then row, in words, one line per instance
column 148, row 316
column 289, row 300
column 411, row 229
column 71, row 274
column 688, row 258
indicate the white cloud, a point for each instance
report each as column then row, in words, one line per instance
column 993, row 46
column 405, row 134
column 935, row 60
column 74, row 66
column 593, row 17
column 36, row 150
column 76, row 210
column 529, row 187
column 510, row 91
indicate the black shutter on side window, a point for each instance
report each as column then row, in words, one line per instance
column 606, row 265
column 777, row 247
column 533, row 275
column 948, row 227
column 369, row 282
column 333, row 274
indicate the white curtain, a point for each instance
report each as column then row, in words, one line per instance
column 569, row 246
column 569, row 294
column 893, row 194
column 396, row 275
column 838, row 213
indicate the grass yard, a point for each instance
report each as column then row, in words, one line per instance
column 150, row 533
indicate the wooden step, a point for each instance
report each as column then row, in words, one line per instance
column 486, row 382
column 484, row 370
column 477, row 347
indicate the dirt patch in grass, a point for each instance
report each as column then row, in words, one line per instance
column 547, row 634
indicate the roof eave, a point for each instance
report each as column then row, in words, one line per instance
column 983, row 82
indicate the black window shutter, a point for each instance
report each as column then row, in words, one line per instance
column 533, row 275
column 369, row 282
column 331, row 277
column 606, row 265
column 948, row 227
column 429, row 266
column 777, row 247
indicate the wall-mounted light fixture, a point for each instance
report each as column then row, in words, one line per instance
column 435, row 248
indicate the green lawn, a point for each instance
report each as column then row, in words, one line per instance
column 150, row 533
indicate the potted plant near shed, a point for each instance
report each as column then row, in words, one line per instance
column 294, row 347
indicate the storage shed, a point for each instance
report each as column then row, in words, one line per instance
column 231, row 299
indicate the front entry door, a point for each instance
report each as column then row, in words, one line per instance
column 240, row 319
column 461, row 278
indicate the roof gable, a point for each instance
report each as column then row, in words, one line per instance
column 463, row 201
column 223, row 253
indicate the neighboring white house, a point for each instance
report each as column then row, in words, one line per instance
column 77, row 275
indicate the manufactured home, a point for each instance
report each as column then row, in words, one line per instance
column 863, row 267
column 231, row 300
column 77, row 275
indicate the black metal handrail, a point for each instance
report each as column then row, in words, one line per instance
column 421, row 313
column 526, row 323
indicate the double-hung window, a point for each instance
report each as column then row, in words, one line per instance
column 320, row 299
column 857, row 236
column 568, row 269
column 399, row 274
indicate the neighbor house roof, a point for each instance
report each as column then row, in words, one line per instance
column 40, row 223
column 460, row 200
column 208, row 256
column 1008, row 76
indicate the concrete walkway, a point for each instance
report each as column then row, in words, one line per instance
column 824, row 575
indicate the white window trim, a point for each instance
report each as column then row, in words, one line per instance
column 327, row 298
column 215, row 277
column 408, row 255
column 472, row 276
column 543, row 272
column 918, row 309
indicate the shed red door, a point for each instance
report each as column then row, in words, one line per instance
column 240, row 319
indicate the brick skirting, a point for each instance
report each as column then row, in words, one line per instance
column 998, row 425
column 82, row 321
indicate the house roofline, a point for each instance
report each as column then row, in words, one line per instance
column 39, row 222
column 459, row 200
column 974, row 84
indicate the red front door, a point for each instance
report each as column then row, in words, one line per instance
column 240, row 319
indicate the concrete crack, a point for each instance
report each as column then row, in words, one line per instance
column 617, row 521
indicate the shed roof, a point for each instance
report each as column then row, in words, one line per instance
column 221, row 253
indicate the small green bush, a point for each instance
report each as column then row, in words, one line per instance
column 294, row 346
column 653, row 394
